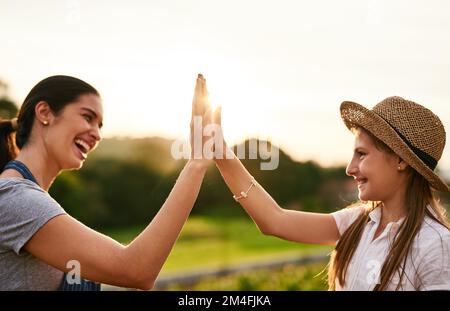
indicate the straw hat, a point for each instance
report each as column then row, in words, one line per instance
column 412, row 131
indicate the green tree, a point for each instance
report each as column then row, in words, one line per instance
column 8, row 109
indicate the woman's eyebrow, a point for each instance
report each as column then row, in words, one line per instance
column 94, row 113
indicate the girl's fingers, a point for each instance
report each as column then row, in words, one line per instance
column 197, row 97
column 205, row 89
column 217, row 117
column 207, row 116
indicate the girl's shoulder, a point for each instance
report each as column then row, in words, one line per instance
column 431, row 255
column 432, row 242
column 346, row 216
column 432, row 232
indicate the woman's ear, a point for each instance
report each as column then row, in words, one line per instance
column 44, row 113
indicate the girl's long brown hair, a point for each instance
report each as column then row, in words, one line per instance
column 419, row 195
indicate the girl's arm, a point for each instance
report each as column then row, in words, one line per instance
column 271, row 219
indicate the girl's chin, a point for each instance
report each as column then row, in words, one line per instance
column 362, row 195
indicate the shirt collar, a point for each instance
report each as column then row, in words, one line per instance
column 375, row 216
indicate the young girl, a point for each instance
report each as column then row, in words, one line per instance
column 57, row 127
column 397, row 237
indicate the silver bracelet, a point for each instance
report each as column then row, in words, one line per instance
column 244, row 194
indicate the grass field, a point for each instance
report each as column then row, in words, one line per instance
column 212, row 242
column 287, row 278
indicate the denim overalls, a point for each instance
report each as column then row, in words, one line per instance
column 84, row 285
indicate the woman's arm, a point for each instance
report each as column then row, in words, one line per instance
column 104, row 260
column 137, row 265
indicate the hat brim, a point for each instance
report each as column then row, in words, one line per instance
column 356, row 115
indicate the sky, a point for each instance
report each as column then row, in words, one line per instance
column 279, row 69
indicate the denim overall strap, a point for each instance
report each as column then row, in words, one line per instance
column 84, row 285
column 22, row 169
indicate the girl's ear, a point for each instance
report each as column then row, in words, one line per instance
column 44, row 113
column 401, row 165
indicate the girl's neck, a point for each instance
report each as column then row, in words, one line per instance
column 394, row 209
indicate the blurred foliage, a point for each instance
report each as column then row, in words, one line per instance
column 287, row 278
column 8, row 109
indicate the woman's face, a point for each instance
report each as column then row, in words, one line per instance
column 375, row 171
column 75, row 131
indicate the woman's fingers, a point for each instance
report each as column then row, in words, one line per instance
column 198, row 102
column 201, row 105
column 205, row 89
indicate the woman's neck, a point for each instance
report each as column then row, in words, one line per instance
column 42, row 168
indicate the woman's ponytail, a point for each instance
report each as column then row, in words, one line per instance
column 8, row 148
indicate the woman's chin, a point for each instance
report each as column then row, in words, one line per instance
column 74, row 164
column 77, row 165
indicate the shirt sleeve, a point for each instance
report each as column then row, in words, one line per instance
column 345, row 217
column 434, row 269
column 24, row 209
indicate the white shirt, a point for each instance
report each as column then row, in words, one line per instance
column 427, row 269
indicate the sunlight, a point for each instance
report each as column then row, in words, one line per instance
column 158, row 99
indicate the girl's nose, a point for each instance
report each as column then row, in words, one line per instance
column 351, row 169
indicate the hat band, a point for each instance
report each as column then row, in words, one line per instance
column 425, row 157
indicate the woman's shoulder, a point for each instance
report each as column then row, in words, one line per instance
column 8, row 183
column 15, row 188
column 18, row 195
column 24, row 208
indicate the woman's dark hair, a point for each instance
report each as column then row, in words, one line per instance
column 57, row 91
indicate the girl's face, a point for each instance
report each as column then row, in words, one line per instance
column 75, row 132
column 375, row 171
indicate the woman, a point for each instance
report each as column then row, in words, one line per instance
column 397, row 237
column 57, row 127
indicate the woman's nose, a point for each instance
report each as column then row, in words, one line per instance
column 97, row 134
